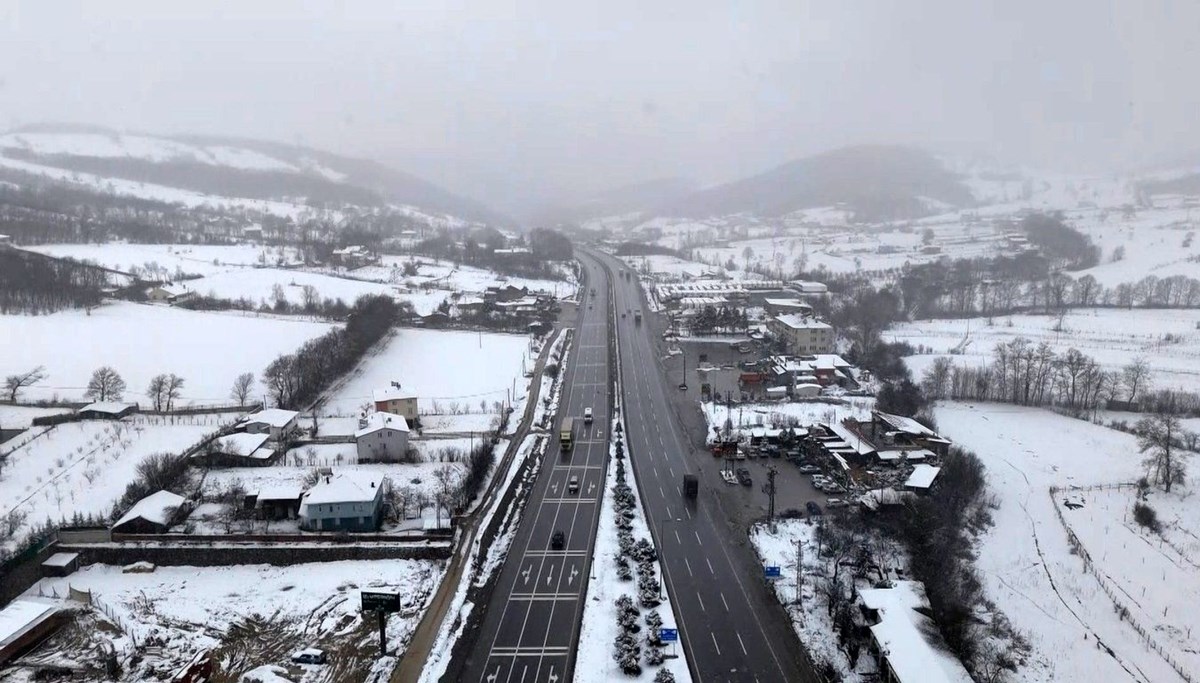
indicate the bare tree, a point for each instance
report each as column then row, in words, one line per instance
column 156, row 392
column 13, row 384
column 1136, row 377
column 241, row 387
column 447, row 485
column 105, row 385
column 311, row 297
column 1166, row 461
column 172, row 389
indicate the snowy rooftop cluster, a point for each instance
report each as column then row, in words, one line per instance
column 902, row 635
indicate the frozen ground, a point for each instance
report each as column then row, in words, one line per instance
column 83, row 467
column 1114, row 337
column 21, row 417
column 441, row 366
column 192, row 259
column 250, row 616
column 140, row 341
column 1030, row 571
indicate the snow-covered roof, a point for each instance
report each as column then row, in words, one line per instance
column 906, row 424
column 263, row 453
column 60, row 559
column 156, row 507
column 922, row 476
column 275, row 417
column 381, row 420
column 852, row 439
column 280, row 491
column 241, row 443
column 876, row 497
column 172, row 289
column 391, row 394
column 797, row 321
column 109, row 407
column 344, row 487
column 917, row 454
column 20, row 616
column 902, row 635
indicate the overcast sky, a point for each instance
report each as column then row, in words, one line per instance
column 522, row 102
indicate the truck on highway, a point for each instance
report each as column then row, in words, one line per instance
column 691, row 486
column 566, row 434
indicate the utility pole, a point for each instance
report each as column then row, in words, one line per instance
column 771, row 472
column 799, row 569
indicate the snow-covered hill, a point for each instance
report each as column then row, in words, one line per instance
column 249, row 175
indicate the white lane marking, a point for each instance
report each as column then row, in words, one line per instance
column 697, row 537
column 701, row 601
column 723, row 601
column 710, row 567
column 741, row 643
column 689, row 566
column 714, row 639
column 669, row 515
column 677, row 538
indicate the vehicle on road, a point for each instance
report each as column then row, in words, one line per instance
column 593, row 292
column 558, row 540
column 810, row 469
column 836, row 503
column 691, row 486
column 587, row 415
column 812, row 507
column 573, row 484
column 310, row 655
column 743, row 476
column 566, row 434
column 637, row 317
column 729, row 477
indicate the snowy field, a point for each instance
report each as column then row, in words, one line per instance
column 253, row 615
column 1030, row 571
column 257, row 285
column 448, row 276
column 443, row 367
column 192, row 259
column 806, row 413
column 83, row 467
column 1114, row 337
column 140, row 341
column 21, row 417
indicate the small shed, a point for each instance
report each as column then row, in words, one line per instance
column 23, row 623
column 278, row 501
column 106, row 410
column 60, row 564
column 276, row 422
column 153, row 514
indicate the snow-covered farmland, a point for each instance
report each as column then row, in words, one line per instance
column 140, row 341
column 1168, row 339
column 251, row 615
column 191, row 259
column 439, row 366
column 1030, row 571
column 83, row 467
column 258, row 284
column 449, row 276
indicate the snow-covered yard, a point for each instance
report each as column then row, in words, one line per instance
column 193, row 259
column 250, row 615
column 1031, row 572
column 805, row 413
column 83, row 467
column 442, row 367
column 1114, row 337
column 140, row 341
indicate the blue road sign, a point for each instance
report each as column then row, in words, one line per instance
column 771, row 572
column 668, row 635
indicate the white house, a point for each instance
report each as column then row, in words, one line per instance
column 274, row 421
column 168, row 292
column 347, row 501
column 382, row 437
column 802, row 335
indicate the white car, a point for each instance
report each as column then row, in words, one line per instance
column 836, row 503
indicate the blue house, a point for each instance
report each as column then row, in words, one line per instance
column 348, row 501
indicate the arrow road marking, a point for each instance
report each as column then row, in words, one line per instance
column 550, row 576
column 554, row 488
column 553, row 676
column 574, row 573
column 491, row 678
column 526, row 573
column 591, row 488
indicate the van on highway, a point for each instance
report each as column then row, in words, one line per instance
column 587, row 415
column 573, row 484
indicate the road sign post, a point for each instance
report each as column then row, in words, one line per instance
column 669, row 635
column 381, row 604
column 772, row 573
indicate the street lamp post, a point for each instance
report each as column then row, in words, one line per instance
column 662, row 562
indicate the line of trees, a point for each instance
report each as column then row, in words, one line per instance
column 724, row 319
column 295, row 379
column 30, row 283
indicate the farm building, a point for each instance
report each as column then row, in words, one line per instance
column 904, row 639
column 24, row 623
column 276, row 422
column 169, row 293
column 106, row 410
column 241, row 449
column 153, row 514
column 279, row 501
column 348, row 501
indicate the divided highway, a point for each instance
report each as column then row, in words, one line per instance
column 530, row 629
column 731, row 626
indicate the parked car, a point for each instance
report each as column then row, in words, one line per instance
column 813, row 508
column 836, row 503
column 743, row 476
column 310, row 655
column 558, row 540
column 819, row 479
column 810, row 469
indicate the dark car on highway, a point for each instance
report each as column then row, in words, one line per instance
column 558, row 540
column 743, row 476
column 813, row 508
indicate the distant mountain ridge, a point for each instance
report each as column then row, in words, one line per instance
column 877, row 182
column 630, row 198
column 235, row 167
